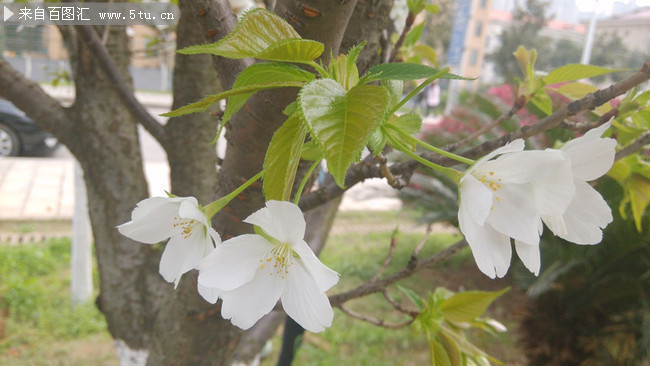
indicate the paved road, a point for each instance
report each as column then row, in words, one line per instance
column 40, row 187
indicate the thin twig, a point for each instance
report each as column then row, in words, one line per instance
column 502, row 118
column 397, row 305
column 389, row 257
column 374, row 321
column 378, row 286
column 390, row 178
column 636, row 145
column 418, row 248
column 410, row 18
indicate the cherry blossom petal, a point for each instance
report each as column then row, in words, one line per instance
column 586, row 216
column 183, row 254
column 491, row 249
column 515, row 214
column 234, row 262
column 475, row 198
column 152, row 220
column 189, row 209
column 281, row 220
column 245, row 305
column 529, row 255
column 591, row 156
column 304, row 302
column 513, row 146
column 210, row 294
column 526, row 167
column 323, row 276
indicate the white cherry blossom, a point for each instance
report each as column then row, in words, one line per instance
column 251, row 272
column 591, row 157
column 180, row 219
column 504, row 198
column 512, row 195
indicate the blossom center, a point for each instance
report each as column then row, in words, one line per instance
column 186, row 226
column 493, row 182
column 278, row 260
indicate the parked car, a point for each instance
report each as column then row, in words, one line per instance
column 19, row 134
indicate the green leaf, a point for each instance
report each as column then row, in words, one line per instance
column 341, row 122
column 465, row 306
column 262, row 73
column 465, row 346
column 263, row 35
column 638, row 188
column 576, row 72
column 415, row 6
column 452, row 349
column 432, row 8
column 204, row 103
column 413, row 296
column 413, row 36
column 410, row 123
column 406, row 71
column 439, row 356
column 427, row 53
column 282, row 158
column 395, row 90
column 311, row 151
column 343, row 68
column 377, row 141
column 543, row 102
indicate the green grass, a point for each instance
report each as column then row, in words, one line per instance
column 38, row 325
column 35, row 308
column 357, row 256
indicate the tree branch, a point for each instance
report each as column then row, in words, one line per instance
column 642, row 141
column 412, row 267
column 36, row 103
column 374, row 321
column 364, row 170
column 123, row 89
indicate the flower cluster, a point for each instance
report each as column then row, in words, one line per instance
column 508, row 194
column 250, row 272
column 513, row 195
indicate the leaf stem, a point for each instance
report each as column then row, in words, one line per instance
column 436, row 150
column 323, row 73
column 451, row 173
column 418, row 89
column 304, row 181
column 212, row 208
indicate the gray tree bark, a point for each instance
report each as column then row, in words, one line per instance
column 149, row 319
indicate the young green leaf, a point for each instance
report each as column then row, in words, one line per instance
column 262, row 73
column 341, row 122
column 282, row 158
column 439, row 356
column 311, row 151
column 573, row 72
column 465, row 306
column 413, row 36
column 395, row 90
column 204, row 103
column 344, row 69
column 405, row 71
column 263, row 35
